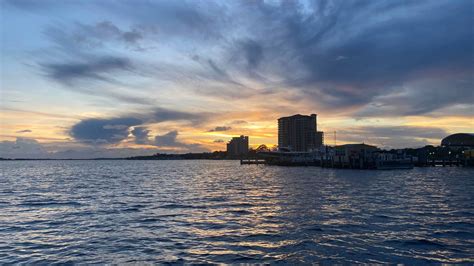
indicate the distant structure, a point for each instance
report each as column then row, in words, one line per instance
column 354, row 155
column 319, row 138
column 238, row 146
column 459, row 140
column 299, row 133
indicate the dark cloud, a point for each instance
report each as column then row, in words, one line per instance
column 170, row 140
column 253, row 53
column 79, row 37
column 167, row 140
column 425, row 96
column 344, row 54
column 220, row 128
column 103, row 131
column 380, row 52
column 405, row 131
column 189, row 19
column 132, row 37
column 141, row 135
column 113, row 130
column 238, row 122
column 162, row 114
column 24, row 131
column 74, row 66
column 84, row 59
column 97, row 69
column 219, row 141
column 333, row 54
column 107, row 31
column 250, row 51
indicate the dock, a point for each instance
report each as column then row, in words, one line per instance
column 252, row 161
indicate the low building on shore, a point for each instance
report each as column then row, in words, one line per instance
column 468, row 158
column 354, row 156
column 459, row 141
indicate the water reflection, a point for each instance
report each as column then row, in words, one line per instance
column 219, row 211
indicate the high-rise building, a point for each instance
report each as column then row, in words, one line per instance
column 299, row 133
column 238, row 146
column 319, row 139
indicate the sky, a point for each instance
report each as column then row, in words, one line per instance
column 103, row 78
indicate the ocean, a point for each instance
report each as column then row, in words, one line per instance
column 221, row 212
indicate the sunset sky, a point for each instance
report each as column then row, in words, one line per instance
column 86, row 79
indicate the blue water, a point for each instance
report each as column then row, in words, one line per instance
column 221, row 212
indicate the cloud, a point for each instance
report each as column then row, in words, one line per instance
column 345, row 54
column 103, row 131
column 238, row 122
column 141, row 135
column 219, row 128
column 338, row 54
column 98, row 69
column 24, row 131
column 253, row 52
column 109, row 31
column 162, row 114
column 103, row 34
column 170, row 140
column 379, row 53
column 106, row 31
column 219, row 141
column 220, row 74
column 247, row 54
column 22, row 148
column 369, row 58
column 193, row 19
column 35, row 6
column 424, row 96
column 91, row 59
column 391, row 136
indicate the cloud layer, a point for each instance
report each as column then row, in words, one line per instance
column 391, row 136
column 152, row 73
column 340, row 54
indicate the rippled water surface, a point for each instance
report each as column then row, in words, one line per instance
column 219, row 211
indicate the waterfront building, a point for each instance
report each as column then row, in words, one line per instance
column 459, row 140
column 354, row 155
column 238, row 146
column 468, row 157
column 299, row 133
column 319, row 138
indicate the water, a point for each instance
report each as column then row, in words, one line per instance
column 219, row 211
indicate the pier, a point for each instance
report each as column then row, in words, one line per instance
column 445, row 163
column 252, row 161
